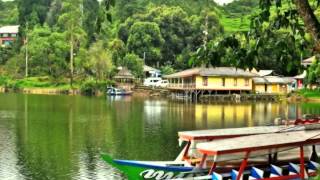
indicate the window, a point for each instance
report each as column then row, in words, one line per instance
column 235, row 82
column 246, row 83
column 5, row 35
column 205, row 81
column 223, row 81
column 13, row 35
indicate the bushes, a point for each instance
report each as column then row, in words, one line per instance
column 91, row 87
column 308, row 93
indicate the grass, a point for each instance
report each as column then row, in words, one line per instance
column 308, row 93
column 35, row 82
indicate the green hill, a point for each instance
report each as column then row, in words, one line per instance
column 8, row 13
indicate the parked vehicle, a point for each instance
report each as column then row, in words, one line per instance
column 162, row 83
column 152, row 81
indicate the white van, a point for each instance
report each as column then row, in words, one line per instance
column 152, row 81
column 163, row 83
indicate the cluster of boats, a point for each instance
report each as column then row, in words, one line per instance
column 266, row 152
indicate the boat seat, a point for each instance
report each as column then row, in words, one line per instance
column 216, row 176
column 234, row 174
column 275, row 171
column 295, row 169
column 256, row 173
column 313, row 166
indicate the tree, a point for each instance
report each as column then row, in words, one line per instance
column 27, row 7
column 71, row 22
column 290, row 17
column 314, row 73
column 54, row 12
column 119, row 51
column 145, row 40
column 48, row 51
column 133, row 63
column 90, row 9
column 99, row 61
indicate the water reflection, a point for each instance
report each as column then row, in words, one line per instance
column 61, row 137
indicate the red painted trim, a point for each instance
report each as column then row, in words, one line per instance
column 301, row 162
column 185, row 154
column 214, row 165
column 204, row 157
column 210, row 138
column 243, row 165
column 283, row 177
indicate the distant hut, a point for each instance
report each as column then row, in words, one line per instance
column 124, row 79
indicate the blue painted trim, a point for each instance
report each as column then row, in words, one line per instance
column 141, row 164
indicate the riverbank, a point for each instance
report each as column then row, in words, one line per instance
column 46, row 85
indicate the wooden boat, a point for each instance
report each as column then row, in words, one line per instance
column 257, row 146
column 186, row 164
column 118, row 92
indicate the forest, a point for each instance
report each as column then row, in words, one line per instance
column 75, row 43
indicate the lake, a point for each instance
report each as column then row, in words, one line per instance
column 61, row 137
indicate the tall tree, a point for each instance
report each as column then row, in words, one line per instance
column 289, row 18
column 90, row 11
column 27, row 7
column 145, row 40
column 71, row 21
column 54, row 12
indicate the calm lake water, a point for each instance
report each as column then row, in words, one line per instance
column 61, row 137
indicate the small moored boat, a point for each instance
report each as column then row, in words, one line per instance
column 118, row 92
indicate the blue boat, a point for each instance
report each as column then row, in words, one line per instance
column 118, row 92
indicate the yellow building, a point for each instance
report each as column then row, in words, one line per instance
column 212, row 80
column 270, row 84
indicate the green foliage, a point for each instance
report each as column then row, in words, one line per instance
column 99, row 61
column 308, row 93
column 167, row 69
column 314, row 73
column 90, row 87
column 119, row 51
column 145, row 37
column 33, row 11
column 8, row 13
column 47, row 52
column 134, row 63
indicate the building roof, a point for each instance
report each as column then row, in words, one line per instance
column 270, row 80
column 265, row 72
column 149, row 68
column 9, row 29
column 301, row 76
column 124, row 73
column 308, row 61
column 213, row 71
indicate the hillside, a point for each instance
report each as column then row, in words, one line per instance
column 8, row 13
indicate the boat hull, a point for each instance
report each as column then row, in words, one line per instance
column 150, row 170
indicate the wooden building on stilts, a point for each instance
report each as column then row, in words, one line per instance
column 215, row 80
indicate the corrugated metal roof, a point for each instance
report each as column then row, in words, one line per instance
column 265, row 72
column 270, row 80
column 301, row 76
column 9, row 29
column 214, row 71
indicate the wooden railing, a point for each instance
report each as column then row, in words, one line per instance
column 182, row 86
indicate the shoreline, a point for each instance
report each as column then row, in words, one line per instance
column 150, row 92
